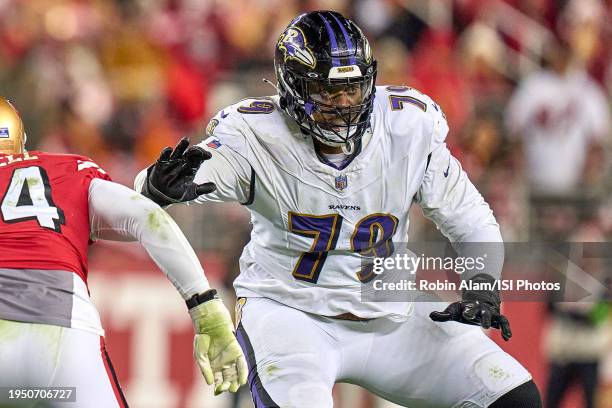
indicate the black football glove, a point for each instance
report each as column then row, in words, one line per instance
column 477, row 307
column 170, row 179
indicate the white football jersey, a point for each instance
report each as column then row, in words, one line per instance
column 313, row 223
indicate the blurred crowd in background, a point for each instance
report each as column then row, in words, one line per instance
column 526, row 86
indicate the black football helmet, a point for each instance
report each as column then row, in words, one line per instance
column 323, row 60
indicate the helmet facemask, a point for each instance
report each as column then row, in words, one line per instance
column 336, row 112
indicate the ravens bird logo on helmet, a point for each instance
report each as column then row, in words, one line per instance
column 293, row 44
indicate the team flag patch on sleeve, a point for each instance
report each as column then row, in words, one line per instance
column 212, row 142
column 4, row 132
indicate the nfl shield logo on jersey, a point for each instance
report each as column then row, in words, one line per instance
column 341, row 182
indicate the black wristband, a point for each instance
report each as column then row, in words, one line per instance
column 200, row 298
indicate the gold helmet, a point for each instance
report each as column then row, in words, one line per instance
column 12, row 134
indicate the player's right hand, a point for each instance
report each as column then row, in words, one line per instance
column 216, row 349
column 170, row 179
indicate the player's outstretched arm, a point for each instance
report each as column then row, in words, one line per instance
column 120, row 214
column 170, row 179
column 215, row 171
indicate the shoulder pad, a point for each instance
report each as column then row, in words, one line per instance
column 251, row 118
column 405, row 108
column 81, row 162
column 226, row 128
column 245, row 107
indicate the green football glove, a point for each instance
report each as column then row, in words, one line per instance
column 216, row 349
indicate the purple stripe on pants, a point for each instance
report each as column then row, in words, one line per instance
column 253, row 379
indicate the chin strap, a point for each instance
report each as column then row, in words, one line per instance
column 348, row 147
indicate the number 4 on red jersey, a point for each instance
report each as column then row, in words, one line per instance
column 44, row 210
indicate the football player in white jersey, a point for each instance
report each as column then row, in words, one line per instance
column 329, row 168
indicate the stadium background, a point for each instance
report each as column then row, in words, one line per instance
column 119, row 80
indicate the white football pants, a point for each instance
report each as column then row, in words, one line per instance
column 41, row 355
column 295, row 358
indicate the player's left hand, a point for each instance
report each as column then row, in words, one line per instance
column 216, row 349
column 477, row 307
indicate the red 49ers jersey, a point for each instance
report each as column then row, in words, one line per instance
column 44, row 211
